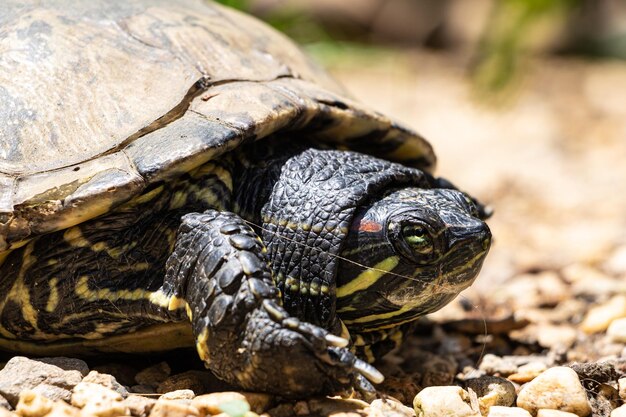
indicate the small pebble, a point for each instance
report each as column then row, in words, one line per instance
column 582, row 273
column 528, row 372
column 553, row 336
column 492, row 391
column 97, row 400
column 493, row 364
column 210, row 403
column 173, row 409
column 501, row 411
column 557, row 388
column 617, row 331
column 621, row 384
column 106, row 380
column 599, row 287
column 181, row 394
column 599, row 318
column 49, row 377
column 545, row 412
column 619, row 411
column 388, row 408
column 340, row 414
column 139, row 406
column 543, row 288
column 443, row 401
column 193, row 380
column 32, row 404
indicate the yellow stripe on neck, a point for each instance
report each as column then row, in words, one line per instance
column 368, row 277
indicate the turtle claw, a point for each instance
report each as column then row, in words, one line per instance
column 368, row 371
column 337, row 341
column 339, row 362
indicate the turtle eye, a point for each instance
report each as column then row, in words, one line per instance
column 418, row 239
column 413, row 240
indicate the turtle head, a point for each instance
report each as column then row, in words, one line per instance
column 407, row 254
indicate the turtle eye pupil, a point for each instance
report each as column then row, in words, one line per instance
column 418, row 239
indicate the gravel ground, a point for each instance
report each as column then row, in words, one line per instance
column 543, row 330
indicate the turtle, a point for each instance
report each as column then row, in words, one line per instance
column 175, row 173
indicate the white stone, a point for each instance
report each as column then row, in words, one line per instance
column 557, row 388
column 389, row 408
column 600, row 317
column 528, row 372
column 63, row 409
column 617, row 331
column 443, row 401
column 181, row 394
column 106, row 380
column 621, row 384
column 553, row 336
column 167, row 408
column 500, row 411
column 32, row 404
column 544, row 287
column 210, row 403
column 97, row 400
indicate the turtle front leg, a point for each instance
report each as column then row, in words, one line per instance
column 219, row 268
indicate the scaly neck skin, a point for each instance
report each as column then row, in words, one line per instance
column 305, row 200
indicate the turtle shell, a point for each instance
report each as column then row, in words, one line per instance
column 99, row 99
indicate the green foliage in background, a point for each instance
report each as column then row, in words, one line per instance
column 499, row 58
column 507, row 34
column 237, row 4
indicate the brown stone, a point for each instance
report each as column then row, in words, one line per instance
column 153, row 375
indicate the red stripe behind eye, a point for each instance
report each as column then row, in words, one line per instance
column 370, row 226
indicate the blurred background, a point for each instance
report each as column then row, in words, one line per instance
column 525, row 104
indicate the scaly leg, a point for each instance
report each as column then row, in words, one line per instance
column 219, row 268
